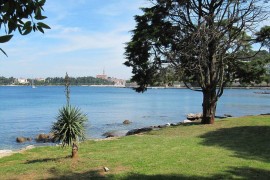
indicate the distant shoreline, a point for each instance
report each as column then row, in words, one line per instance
column 150, row 87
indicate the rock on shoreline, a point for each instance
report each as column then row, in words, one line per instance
column 191, row 118
column 140, row 130
column 23, row 139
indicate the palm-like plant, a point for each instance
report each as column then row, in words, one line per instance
column 70, row 127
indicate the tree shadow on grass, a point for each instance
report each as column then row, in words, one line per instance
column 44, row 160
column 249, row 142
column 232, row 173
column 92, row 174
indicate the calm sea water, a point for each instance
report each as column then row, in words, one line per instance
column 27, row 112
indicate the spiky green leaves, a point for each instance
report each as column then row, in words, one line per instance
column 70, row 125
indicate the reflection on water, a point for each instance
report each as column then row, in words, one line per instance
column 27, row 112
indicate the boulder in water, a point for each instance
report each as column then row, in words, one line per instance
column 43, row 138
column 22, row 139
column 193, row 117
column 127, row 122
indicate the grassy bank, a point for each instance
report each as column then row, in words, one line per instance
column 231, row 148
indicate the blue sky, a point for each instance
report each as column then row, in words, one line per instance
column 86, row 36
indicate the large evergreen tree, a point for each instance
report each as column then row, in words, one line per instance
column 203, row 40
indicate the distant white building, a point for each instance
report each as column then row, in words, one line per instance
column 117, row 82
column 40, row 79
column 22, row 80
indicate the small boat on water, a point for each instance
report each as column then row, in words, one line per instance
column 33, row 85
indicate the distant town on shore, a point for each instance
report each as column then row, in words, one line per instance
column 102, row 80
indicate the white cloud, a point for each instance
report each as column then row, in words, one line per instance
column 77, row 43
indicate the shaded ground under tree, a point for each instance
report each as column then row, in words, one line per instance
column 246, row 141
column 233, row 172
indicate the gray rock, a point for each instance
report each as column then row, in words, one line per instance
column 43, row 138
column 228, row 115
column 193, row 117
column 140, row 130
column 176, row 124
column 115, row 133
column 162, row 126
column 127, row 122
column 108, row 134
column 220, row 117
column 22, row 139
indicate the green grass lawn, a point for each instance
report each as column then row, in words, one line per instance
column 236, row 148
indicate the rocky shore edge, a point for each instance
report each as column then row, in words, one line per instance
column 191, row 119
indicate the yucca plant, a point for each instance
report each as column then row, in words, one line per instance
column 69, row 128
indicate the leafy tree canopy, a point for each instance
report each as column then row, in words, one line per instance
column 22, row 15
column 203, row 40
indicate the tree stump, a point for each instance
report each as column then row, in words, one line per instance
column 74, row 151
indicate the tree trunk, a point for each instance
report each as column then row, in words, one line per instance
column 74, row 151
column 209, row 106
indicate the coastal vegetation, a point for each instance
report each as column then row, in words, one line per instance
column 203, row 41
column 59, row 81
column 234, row 148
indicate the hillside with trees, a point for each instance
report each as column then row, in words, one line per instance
column 59, row 81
